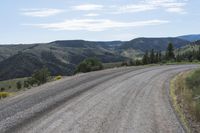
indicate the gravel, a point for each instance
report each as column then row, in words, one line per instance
column 122, row 100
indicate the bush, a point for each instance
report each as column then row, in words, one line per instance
column 124, row 63
column 41, row 76
column 26, row 84
column 58, row 77
column 4, row 94
column 2, row 89
column 19, row 85
column 193, row 81
column 90, row 64
column 31, row 81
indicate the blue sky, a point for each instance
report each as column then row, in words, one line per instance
column 32, row 21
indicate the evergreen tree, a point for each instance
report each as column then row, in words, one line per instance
column 19, row 85
column 159, row 56
column 170, row 52
column 145, row 59
column 178, row 57
column 152, row 56
column 198, row 54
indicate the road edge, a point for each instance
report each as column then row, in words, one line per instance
column 170, row 84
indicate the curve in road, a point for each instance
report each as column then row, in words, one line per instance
column 120, row 100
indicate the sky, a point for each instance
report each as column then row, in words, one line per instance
column 34, row 21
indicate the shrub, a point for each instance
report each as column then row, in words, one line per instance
column 19, row 85
column 26, row 84
column 2, row 89
column 31, row 81
column 58, row 77
column 90, row 64
column 193, row 81
column 4, row 94
column 124, row 63
column 41, row 76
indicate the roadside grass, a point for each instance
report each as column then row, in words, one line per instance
column 185, row 94
column 5, row 94
column 112, row 65
column 180, row 63
column 11, row 85
column 57, row 77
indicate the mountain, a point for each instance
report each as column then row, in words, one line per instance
column 144, row 44
column 193, row 46
column 190, row 38
column 61, row 57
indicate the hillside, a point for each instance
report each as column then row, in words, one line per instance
column 61, row 57
column 158, row 44
column 190, row 38
column 194, row 46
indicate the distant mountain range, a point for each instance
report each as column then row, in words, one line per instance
column 61, row 57
column 190, row 38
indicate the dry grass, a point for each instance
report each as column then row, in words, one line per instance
column 58, row 77
column 184, row 91
column 4, row 94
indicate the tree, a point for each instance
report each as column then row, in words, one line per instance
column 198, row 54
column 90, row 64
column 26, row 84
column 41, row 76
column 159, row 56
column 145, row 59
column 178, row 57
column 2, row 89
column 152, row 56
column 19, row 85
column 170, row 52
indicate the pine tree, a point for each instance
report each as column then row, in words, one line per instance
column 160, row 56
column 145, row 59
column 157, row 57
column 170, row 52
column 152, row 56
column 198, row 54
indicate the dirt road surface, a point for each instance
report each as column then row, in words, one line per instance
column 123, row 100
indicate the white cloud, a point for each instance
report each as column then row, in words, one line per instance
column 146, row 5
column 88, row 7
column 91, row 15
column 45, row 12
column 135, row 8
column 96, row 24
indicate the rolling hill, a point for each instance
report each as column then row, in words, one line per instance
column 158, row 44
column 190, row 38
column 61, row 57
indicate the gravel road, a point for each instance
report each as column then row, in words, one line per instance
column 123, row 100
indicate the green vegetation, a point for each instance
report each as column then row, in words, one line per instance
column 19, row 85
column 175, row 82
column 11, row 85
column 186, row 97
column 4, row 94
column 193, row 86
column 62, row 57
column 111, row 65
column 14, row 85
column 41, row 76
column 169, row 58
column 170, row 52
column 88, row 65
column 58, row 77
